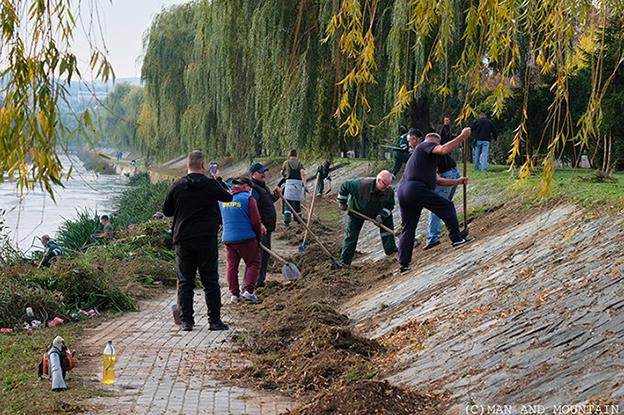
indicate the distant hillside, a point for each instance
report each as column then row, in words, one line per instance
column 84, row 94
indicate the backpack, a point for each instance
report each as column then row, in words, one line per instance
column 67, row 362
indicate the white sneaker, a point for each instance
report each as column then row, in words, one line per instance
column 247, row 296
column 235, row 299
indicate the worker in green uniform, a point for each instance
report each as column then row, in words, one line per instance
column 323, row 173
column 404, row 149
column 373, row 197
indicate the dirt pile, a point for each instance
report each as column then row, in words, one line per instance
column 372, row 397
column 304, row 345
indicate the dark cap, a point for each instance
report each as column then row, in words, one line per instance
column 258, row 168
column 242, row 180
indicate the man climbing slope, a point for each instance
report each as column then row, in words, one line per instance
column 417, row 191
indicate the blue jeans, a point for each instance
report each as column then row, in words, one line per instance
column 447, row 192
column 482, row 151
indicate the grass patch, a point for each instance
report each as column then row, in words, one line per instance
column 581, row 186
column 21, row 392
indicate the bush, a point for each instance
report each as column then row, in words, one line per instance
column 76, row 234
column 138, row 203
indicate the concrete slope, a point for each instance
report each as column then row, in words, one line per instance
column 533, row 312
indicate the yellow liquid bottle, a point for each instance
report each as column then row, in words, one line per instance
column 108, row 364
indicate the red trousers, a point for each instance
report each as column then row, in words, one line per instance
column 249, row 251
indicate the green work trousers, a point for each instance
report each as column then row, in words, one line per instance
column 354, row 225
column 400, row 158
column 288, row 216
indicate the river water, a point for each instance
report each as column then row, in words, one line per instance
column 34, row 213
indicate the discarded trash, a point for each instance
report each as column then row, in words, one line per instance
column 56, row 363
column 55, row 322
column 33, row 325
column 6, row 330
column 29, row 312
column 55, row 366
column 108, row 364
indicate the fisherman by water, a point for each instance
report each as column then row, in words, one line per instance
column 107, row 232
column 52, row 250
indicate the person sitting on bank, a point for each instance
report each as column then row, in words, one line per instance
column 242, row 230
column 107, row 229
column 323, row 174
column 52, row 250
column 372, row 197
column 293, row 175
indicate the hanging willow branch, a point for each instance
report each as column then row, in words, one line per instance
column 492, row 32
column 36, row 60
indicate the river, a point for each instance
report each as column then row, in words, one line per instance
column 34, row 213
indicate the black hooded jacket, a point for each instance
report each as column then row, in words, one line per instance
column 193, row 203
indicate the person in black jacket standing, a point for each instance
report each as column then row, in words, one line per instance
column 266, row 205
column 484, row 132
column 193, row 203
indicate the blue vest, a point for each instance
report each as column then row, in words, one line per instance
column 236, row 223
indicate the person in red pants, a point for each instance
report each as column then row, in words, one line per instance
column 242, row 231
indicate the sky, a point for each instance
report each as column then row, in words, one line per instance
column 124, row 22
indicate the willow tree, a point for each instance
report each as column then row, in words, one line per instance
column 461, row 43
column 168, row 47
column 35, row 62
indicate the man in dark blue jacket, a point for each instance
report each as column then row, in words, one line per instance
column 193, row 203
column 484, row 132
column 265, row 199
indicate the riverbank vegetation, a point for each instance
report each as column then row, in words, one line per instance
column 94, row 274
column 105, row 277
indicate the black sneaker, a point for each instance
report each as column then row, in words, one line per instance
column 462, row 241
column 186, row 326
column 218, row 325
column 405, row 270
column 392, row 252
column 430, row 245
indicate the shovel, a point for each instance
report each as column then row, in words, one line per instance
column 464, row 185
column 379, row 225
column 335, row 264
column 305, row 235
column 289, row 269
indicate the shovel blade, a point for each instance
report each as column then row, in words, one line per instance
column 291, row 272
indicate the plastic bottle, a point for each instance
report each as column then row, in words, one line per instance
column 108, row 364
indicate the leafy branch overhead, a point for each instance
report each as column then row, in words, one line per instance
column 463, row 45
column 37, row 65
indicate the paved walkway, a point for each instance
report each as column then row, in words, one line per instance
column 163, row 370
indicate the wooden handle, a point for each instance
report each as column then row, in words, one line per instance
column 274, row 254
column 305, row 235
column 381, row 225
column 464, row 184
column 316, row 238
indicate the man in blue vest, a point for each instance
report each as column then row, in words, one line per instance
column 242, row 231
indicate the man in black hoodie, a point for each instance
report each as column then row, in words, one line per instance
column 193, row 203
